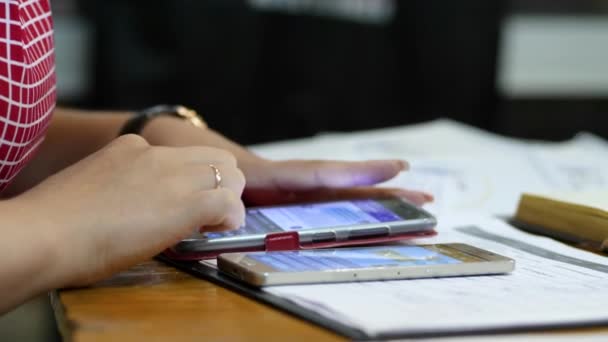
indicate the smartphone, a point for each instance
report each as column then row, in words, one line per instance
column 362, row 264
column 317, row 222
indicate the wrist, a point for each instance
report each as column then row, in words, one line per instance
column 138, row 122
column 169, row 131
column 173, row 131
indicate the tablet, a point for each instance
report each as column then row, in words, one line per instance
column 317, row 222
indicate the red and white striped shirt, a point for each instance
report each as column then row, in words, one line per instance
column 27, row 81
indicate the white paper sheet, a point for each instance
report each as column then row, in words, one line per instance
column 552, row 284
column 466, row 169
column 473, row 174
column 551, row 337
column 436, row 138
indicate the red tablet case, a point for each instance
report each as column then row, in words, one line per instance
column 285, row 241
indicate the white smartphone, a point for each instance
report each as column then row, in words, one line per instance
column 362, row 264
column 317, row 222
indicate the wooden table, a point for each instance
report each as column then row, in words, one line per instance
column 153, row 301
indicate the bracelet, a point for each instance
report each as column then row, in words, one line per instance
column 136, row 123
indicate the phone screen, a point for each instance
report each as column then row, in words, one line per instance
column 311, row 216
column 349, row 258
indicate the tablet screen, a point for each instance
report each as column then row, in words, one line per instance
column 347, row 258
column 312, row 216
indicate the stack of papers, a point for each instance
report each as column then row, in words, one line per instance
column 467, row 170
column 552, row 285
column 475, row 177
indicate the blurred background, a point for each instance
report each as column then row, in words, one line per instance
column 265, row 70
column 262, row 70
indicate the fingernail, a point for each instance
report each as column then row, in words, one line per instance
column 403, row 165
column 429, row 197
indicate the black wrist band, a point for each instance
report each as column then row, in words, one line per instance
column 137, row 123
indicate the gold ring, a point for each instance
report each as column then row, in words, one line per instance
column 218, row 176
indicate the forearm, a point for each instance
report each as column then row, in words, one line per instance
column 28, row 255
column 72, row 135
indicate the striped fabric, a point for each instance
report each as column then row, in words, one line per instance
column 27, row 82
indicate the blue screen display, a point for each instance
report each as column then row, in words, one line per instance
column 349, row 258
column 311, row 216
column 330, row 214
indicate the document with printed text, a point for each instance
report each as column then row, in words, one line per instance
column 474, row 175
column 552, row 285
column 467, row 170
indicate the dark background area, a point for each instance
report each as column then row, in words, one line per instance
column 260, row 76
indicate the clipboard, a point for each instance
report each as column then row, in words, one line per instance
column 289, row 241
column 213, row 275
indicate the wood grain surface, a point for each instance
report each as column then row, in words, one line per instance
column 152, row 302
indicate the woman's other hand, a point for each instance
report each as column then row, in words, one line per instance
column 271, row 182
column 128, row 202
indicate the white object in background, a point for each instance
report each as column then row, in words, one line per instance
column 362, row 11
column 553, row 56
column 73, row 56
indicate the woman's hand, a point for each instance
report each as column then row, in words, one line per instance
column 128, row 202
column 272, row 182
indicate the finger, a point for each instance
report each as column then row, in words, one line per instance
column 129, row 140
column 269, row 197
column 210, row 177
column 214, row 229
column 305, row 174
column 208, row 155
column 219, row 208
column 416, row 197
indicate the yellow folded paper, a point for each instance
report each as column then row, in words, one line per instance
column 576, row 217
